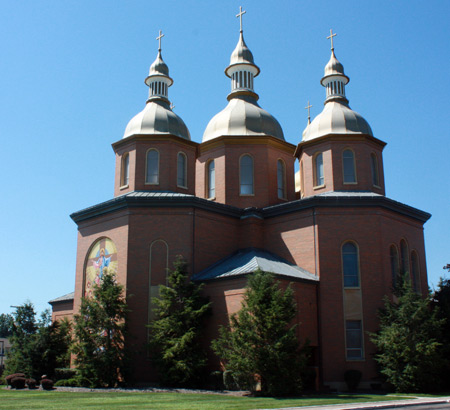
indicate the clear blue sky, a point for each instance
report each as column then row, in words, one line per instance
column 72, row 76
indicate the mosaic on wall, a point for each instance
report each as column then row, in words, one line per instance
column 102, row 260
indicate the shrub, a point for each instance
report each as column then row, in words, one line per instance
column 47, row 384
column 31, row 383
column 352, row 378
column 73, row 382
column 216, row 380
column 228, row 380
column 65, row 373
column 18, row 382
column 12, row 376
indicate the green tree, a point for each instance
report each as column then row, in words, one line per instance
column 6, row 325
column 261, row 340
column 99, row 336
column 409, row 344
column 175, row 334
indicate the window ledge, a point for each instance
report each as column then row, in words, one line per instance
column 319, row 186
column 377, row 186
column 350, row 183
column 123, row 187
column 246, row 194
column 355, row 360
column 182, row 186
column 151, row 183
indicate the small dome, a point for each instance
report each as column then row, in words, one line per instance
column 243, row 116
column 333, row 66
column 157, row 118
column 159, row 66
column 336, row 118
column 241, row 55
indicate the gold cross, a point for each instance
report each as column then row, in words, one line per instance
column 240, row 14
column 309, row 113
column 331, row 38
column 161, row 35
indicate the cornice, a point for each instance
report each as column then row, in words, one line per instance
column 137, row 138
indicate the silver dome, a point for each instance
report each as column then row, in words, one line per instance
column 157, row 118
column 336, row 118
column 159, row 66
column 243, row 116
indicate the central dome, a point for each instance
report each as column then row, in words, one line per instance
column 243, row 116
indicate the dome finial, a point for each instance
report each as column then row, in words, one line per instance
column 309, row 112
column 161, row 35
column 240, row 14
column 331, row 38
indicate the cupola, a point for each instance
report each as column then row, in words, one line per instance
column 157, row 117
column 336, row 117
column 242, row 116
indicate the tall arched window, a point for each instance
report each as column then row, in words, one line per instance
column 374, row 165
column 348, row 163
column 404, row 254
column 125, row 172
column 281, row 179
column 246, row 175
column 302, row 180
column 182, row 170
column 319, row 179
column 415, row 271
column 350, row 265
column 211, row 179
column 393, row 254
column 152, row 165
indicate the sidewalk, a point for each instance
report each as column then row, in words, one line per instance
column 410, row 403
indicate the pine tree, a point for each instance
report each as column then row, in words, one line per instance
column 261, row 342
column 6, row 325
column 409, row 348
column 99, row 336
column 175, row 334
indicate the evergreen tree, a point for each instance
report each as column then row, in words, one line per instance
column 409, row 348
column 99, row 336
column 6, row 325
column 175, row 334
column 261, row 342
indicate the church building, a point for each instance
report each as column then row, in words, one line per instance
column 233, row 203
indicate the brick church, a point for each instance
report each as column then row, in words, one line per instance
column 233, row 203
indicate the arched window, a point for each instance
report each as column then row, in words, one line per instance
column 319, row 179
column 152, row 165
column 281, row 179
column 350, row 265
column 375, row 174
column 404, row 254
column 302, row 180
column 125, row 172
column 415, row 271
column 393, row 254
column 246, row 175
column 354, row 339
column 348, row 163
column 182, row 170
column 211, row 179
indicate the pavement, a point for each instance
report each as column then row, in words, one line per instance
column 392, row 404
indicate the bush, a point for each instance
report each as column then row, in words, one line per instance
column 352, row 378
column 73, row 382
column 47, row 384
column 18, row 383
column 216, row 380
column 12, row 376
column 65, row 373
column 31, row 383
column 228, row 380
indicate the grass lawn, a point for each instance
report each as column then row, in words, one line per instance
column 53, row 400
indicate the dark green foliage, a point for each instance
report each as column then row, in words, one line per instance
column 72, row 382
column 6, row 325
column 409, row 349
column 47, row 384
column 37, row 347
column 261, row 344
column 65, row 373
column 175, row 334
column 99, row 336
column 352, row 378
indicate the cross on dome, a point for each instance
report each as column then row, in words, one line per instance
column 309, row 112
column 240, row 14
column 331, row 38
column 161, row 35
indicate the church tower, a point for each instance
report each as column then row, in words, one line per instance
column 244, row 160
column 156, row 152
column 338, row 151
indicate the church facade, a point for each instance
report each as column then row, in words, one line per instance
column 233, row 203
